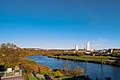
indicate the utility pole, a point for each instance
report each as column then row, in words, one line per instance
column 102, row 60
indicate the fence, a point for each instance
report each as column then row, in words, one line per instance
column 6, row 74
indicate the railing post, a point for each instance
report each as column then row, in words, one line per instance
column 20, row 72
column 13, row 73
column 5, row 74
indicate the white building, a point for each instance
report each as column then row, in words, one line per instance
column 76, row 48
column 88, row 46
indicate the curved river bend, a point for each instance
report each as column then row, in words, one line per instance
column 91, row 69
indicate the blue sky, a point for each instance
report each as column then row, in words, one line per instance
column 60, row 23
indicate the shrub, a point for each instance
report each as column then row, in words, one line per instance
column 58, row 73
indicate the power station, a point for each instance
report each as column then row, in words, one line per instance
column 87, row 48
column 76, row 48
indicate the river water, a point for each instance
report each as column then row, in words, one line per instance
column 91, row 69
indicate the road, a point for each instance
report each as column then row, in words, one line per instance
column 16, row 78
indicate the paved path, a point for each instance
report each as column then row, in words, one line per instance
column 16, row 78
column 40, row 76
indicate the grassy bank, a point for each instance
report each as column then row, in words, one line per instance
column 87, row 58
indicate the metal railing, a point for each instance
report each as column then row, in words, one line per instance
column 6, row 74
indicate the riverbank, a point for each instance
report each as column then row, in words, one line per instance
column 92, row 59
column 91, row 69
column 57, row 74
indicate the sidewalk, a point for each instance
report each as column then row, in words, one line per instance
column 15, row 78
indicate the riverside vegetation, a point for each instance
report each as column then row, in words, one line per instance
column 11, row 56
column 113, row 59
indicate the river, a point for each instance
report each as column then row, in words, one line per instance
column 91, row 69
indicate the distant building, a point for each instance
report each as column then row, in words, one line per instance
column 115, row 50
column 88, row 46
column 76, row 48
